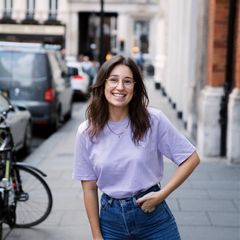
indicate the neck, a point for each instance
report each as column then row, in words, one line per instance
column 117, row 114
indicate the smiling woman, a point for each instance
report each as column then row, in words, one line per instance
column 119, row 90
column 120, row 149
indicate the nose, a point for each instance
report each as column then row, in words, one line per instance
column 120, row 85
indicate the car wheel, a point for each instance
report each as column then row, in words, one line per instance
column 27, row 138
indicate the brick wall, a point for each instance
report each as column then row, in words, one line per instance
column 237, row 46
column 217, row 41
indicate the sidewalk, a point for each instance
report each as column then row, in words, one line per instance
column 206, row 206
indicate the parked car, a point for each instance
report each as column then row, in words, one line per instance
column 20, row 122
column 36, row 76
column 80, row 81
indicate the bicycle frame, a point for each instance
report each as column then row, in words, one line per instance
column 11, row 185
column 8, row 202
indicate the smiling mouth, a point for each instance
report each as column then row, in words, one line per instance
column 119, row 95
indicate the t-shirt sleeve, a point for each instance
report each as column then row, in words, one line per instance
column 172, row 143
column 83, row 169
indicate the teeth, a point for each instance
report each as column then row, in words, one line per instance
column 118, row 94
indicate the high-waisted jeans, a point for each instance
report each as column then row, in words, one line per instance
column 123, row 219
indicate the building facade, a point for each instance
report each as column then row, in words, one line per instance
column 201, row 73
column 127, row 27
column 35, row 21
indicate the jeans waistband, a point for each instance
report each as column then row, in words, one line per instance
column 154, row 188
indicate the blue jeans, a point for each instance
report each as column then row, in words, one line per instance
column 123, row 219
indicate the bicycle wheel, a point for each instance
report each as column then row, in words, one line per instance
column 1, row 218
column 33, row 197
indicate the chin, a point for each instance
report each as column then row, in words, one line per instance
column 119, row 104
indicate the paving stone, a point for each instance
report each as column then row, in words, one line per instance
column 192, row 218
column 220, row 185
column 173, row 204
column 224, row 194
column 225, row 219
column 209, row 233
column 206, row 205
column 237, row 204
column 182, row 193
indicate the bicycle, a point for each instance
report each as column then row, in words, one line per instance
column 25, row 197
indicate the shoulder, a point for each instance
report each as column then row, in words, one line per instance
column 156, row 114
column 158, row 118
column 82, row 129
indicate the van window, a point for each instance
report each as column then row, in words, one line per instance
column 22, row 67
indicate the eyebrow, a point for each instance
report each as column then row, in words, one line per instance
column 123, row 78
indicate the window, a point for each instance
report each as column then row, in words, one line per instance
column 141, row 35
column 53, row 6
column 7, row 8
column 22, row 68
column 30, row 9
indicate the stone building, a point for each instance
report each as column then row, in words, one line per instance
column 33, row 20
column 201, row 77
column 128, row 26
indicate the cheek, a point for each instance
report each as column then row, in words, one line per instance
column 131, row 94
column 107, row 93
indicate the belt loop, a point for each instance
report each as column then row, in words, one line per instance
column 135, row 202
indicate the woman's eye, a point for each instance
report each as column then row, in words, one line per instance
column 127, row 81
column 113, row 80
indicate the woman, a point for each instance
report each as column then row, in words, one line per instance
column 120, row 149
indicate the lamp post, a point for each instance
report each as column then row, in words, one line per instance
column 101, row 43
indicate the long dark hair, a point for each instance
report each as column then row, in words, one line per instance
column 98, row 112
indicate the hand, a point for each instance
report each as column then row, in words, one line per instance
column 150, row 201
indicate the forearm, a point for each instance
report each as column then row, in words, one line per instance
column 180, row 175
column 92, row 209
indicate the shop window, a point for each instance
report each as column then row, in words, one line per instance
column 141, row 36
column 30, row 9
column 53, row 6
column 8, row 5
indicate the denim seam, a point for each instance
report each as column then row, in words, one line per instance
column 124, row 219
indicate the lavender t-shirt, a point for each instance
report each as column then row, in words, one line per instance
column 122, row 168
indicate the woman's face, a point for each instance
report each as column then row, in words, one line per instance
column 119, row 87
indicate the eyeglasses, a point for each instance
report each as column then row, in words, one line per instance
column 113, row 82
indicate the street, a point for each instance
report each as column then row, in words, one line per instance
column 206, row 206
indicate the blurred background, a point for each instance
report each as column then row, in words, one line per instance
column 189, row 54
column 190, row 48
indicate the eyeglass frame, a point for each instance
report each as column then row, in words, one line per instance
column 131, row 85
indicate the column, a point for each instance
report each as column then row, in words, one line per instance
column 233, row 134
column 123, row 33
column 208, row 135
column 72, row 34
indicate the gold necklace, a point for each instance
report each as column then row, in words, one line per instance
column 120, row 133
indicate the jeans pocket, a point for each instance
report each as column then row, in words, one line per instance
column 104, row 203
column 162, row 211
column 149, row 213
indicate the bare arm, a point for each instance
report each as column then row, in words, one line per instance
column 150, row 200
column 92, row 207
